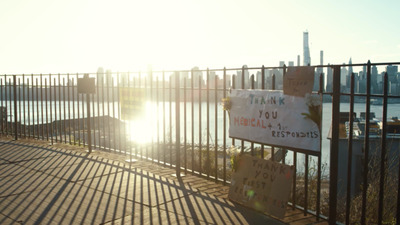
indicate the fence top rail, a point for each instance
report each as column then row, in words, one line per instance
column 203, row 70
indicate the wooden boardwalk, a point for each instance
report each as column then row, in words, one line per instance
column 62, row 184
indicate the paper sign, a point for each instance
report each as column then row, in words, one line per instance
column 263, row 185
column 298, row 81
column 273, row 118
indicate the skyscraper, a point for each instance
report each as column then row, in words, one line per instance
column 306, row 50
column 298, row 60
column 348, row 76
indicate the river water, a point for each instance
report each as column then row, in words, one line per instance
column 156, row 118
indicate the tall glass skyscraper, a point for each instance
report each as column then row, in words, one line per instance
column 306, row 50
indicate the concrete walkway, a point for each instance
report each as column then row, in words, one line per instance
column 62, row 184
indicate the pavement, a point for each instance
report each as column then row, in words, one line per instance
column 63, row 184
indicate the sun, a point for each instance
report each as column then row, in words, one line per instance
column 143, row 129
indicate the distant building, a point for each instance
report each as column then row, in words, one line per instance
column 319, row 71
column 298, row 60
column 348, row 76
column 100, row 74
column 240, row 77
column 329, row 79
column 197, row 77
column 306, row 50
column 392, row 73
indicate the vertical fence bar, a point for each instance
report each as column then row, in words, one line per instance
column 108, row 109
column 383, row 149
column 8, row 109
column 15, row 108
column 33, row 109
column 398, row 195
column 164, row 125
column 83, row 120
column 233, row 87
column 64, row 110
column 98, row 108
column 119, row 113
column 262, row 88
column 46, row 105
column 294, row 180
column 243, row 87
column 306, row 184
column 208, row 124
column 113, row 111
column 252, row 88
column 126, row 142
column 5, row 103
column 69, row 108
column 224, row 128
column 2, row 108
column 29, row 113
column 192, row 116
column 41, row 105
column 59, row 106
column 145, row 86
column 89, row 133
column 73, row 109
column 177, row 126
column 55, row 110
column 79, row 122
column 23, row 99
column 216, row 127
column 350, row 149
column 37, row 109
column 318, row 203
column 366, row 145
column 118, row 116
column 200, row 145
column 51, row 111
column 19, row 106
column 184, row 125
column 9, row 94
column 170, row 121
column 92, row 122
column 150, row 77
column 103, row 111
column 333, row 175
column 158, row 117
column 273, row 88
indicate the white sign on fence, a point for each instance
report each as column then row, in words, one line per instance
column 271, row 117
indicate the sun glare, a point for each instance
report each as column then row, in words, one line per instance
column 143, row 129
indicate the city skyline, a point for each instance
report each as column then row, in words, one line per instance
column 79, row 36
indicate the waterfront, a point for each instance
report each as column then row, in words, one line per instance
column 158, row 120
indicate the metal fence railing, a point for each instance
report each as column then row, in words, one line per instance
column 178, row 121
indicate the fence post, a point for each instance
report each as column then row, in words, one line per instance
column 177, row 126
column 89, row 131
column 15, row 107
column 333, row 173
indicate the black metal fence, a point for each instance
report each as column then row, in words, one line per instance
column 179, row 122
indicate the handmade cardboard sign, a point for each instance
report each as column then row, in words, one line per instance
column 263, row 185
column 298, row 81
column 271, row 117
column 86, row 85
column 132, row 102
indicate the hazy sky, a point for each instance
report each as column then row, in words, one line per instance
column 51, row 36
